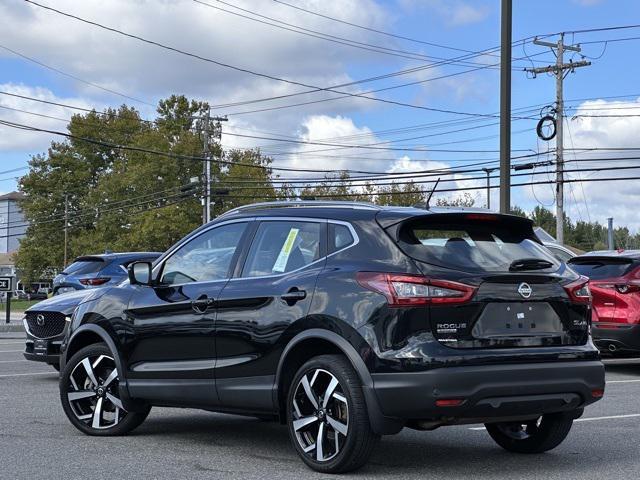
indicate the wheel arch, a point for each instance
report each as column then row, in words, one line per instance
column 89, row 334
column 316, row 341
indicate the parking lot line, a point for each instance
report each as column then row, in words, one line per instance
column 26, row 374
column 623, row 381
column 10, row 351
column 12, row 343
column 12, row 361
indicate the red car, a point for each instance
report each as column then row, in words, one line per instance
column 615, row 287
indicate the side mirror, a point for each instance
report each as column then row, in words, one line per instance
column 140, row 273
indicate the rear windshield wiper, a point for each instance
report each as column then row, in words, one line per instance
column 529, row 264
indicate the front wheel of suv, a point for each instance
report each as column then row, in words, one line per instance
column 534, row 436
column 90, row 395
column 327, row 416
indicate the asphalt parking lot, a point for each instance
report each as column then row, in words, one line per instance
column 37, row 441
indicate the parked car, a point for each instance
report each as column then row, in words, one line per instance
column 346, row 321
column 559, row 251
column 90, row 271
column 46, row 322
column 20, row 295
column 41, row 294
column 615, row 286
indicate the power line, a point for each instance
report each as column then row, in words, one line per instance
column 325, row 36
column 75, row 77
column 246, row 70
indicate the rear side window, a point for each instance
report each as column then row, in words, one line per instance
column 476, row 246
column 601, row 269
column 339, row 237
column 282, row 246
column 83, row 267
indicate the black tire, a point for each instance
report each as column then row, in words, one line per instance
column 81, row 412
column 344, row 413
column 536, row 436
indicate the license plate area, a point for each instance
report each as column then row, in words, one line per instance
column 40, row 347
column 518, row 319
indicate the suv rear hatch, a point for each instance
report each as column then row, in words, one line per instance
column 521, row 295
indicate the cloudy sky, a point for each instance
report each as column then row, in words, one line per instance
column 442, row 120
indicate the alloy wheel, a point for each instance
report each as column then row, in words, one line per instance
column 320, row 415
column 92, row 392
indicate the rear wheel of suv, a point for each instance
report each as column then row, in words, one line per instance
column 535, row 436
column 90, row 395
column 327, row 416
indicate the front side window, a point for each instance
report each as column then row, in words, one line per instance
column 282, row 246
column 205, row 258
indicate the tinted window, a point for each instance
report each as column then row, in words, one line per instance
column 83, row 267
column 205, row 258
column 599, row 269
column 473, row 246
column 339, row 237
column 280, row 247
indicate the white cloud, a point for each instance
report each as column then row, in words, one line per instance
column 600, row 125
column 455, row 13
column 12, row 139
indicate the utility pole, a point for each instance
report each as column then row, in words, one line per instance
column 610, row 233
column 505, row 108
column 488, row 171
column 66, row 227
column 560, row 70
column 208, row 133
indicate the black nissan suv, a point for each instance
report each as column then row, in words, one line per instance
column 346, row 321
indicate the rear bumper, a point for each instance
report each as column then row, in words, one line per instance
column 615, row 337
column 490, row 392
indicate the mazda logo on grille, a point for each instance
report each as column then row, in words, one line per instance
column 40, row 320
column 525, row 290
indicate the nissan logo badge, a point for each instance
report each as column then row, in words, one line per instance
column 40, row 320
column 525, row 290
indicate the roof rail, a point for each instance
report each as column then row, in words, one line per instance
column 301, row 203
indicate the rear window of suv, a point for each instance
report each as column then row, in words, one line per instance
column 474, row 245
column 601, row 268
column 83, row 267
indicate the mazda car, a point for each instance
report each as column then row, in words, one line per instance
column 615, row 286
column 45, row 323
column 345, row 321
column 91, row 271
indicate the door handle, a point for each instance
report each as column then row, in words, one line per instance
column 201, row 303
column 293, row 295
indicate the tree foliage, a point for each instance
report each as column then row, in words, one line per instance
column 134, row 200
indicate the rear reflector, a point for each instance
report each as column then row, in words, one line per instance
column 597, row 393
column 413, row 290
column 449, row 402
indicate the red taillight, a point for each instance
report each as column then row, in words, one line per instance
column 578, row 291
column 449, row 402
column 93, row 282
column 402, row 290
column 597, row 393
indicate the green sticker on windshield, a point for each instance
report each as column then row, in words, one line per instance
column 283, row 256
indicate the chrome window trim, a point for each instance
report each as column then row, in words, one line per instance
column 356, row 240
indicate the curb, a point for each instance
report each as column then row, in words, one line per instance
column 4, row 328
